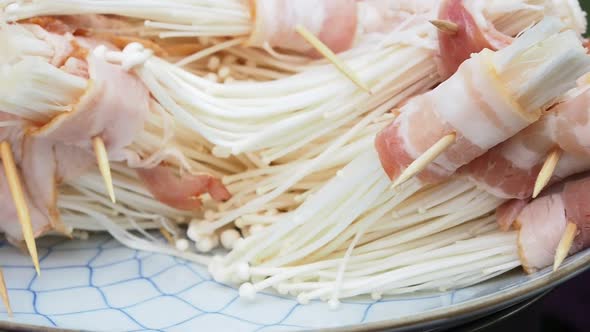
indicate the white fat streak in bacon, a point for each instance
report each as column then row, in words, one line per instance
column 382, row 16
column 524, row 157
column 275, row 20
column 404, row 119
column 521, row 155
column 465, row 112
column 570, row 164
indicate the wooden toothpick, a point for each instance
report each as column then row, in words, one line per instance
column 425, row 159
column 546, row 171
column 445, row 26
column 18, row 196
column 102, row 159
column 333, row 58
column 4, row 294
column 567, row 239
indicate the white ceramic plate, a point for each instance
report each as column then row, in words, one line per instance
column 100, row 285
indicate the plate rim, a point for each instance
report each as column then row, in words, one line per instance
column 494, row 301
column 428, row 319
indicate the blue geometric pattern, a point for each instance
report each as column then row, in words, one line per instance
column 99, row 284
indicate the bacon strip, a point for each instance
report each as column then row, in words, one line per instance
column 482, row 114
column 45, row 165
column 181, row 192
column 576, row 196
column 333, row 21
column 510, row 169
column 10, row 224
column 543, row 221
column 114, row 107
column 507, row 213
column 470, row 37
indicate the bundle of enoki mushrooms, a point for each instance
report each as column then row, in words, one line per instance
column 270, row 154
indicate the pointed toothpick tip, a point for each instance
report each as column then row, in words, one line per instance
column 445, row 26
column 4, row 294
column 420, row 163
column 104, row 167
column 326, row 52
column 167, row 235
column 565, row 244
column 546, row 171
column 18, row 196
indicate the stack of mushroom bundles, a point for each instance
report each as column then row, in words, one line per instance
column 315, row 247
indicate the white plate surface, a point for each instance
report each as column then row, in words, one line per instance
column 100, row 285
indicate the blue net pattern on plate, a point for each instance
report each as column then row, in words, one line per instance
column 99, row 284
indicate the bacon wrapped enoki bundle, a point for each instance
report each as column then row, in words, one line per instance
column 255, row 23
column 510, row 169
column 270, row 23
column 342, row 218
column 77, row 99
column 499, row 110
column 467, row 27
column 554, row 225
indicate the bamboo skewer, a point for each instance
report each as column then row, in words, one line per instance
column 4, row 294
column 565, row 244
column 103, row 165
column 333, row 58
column 425, row 159
column 18, row 196
column 167, row 235
column 444, row 26
column 547, row 171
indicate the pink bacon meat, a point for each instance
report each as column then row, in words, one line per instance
column 41, row 219
column 10, row 225
column 104, row 112
column 333, row 21
column 482, row 114
column 186, row 188
column 114, row 107
column 470, row 37
column 543, row 221
column 510, row 169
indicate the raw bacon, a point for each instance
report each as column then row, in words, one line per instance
column 510, row 169
column 543, row 221
column 114, row 107
column 45, row 165
column 10, row 224
column 576, row 196
column 333, row 21
column 181, row 192
column 507, row 213
column 470, row 37
column 481, row 114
